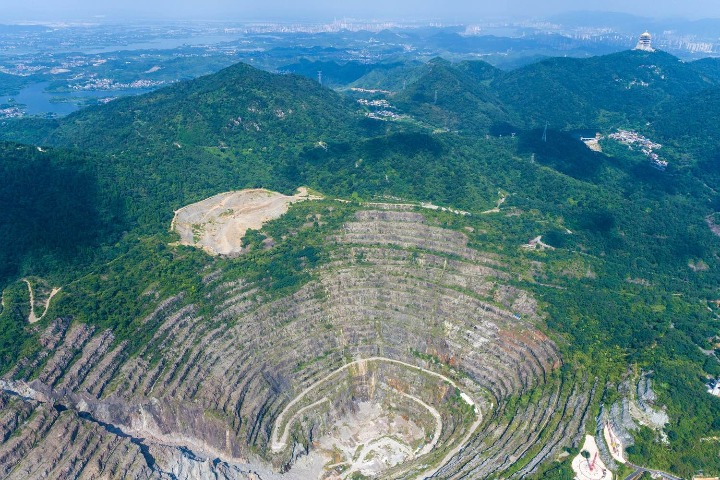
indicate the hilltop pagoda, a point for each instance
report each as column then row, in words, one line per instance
column 645, row 43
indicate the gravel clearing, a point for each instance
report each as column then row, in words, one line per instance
column 219, row 223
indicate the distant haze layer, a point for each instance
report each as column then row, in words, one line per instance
column 449, row 10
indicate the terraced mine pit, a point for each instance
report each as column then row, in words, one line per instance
column 370, row 441
column 407, row 355
column 377, row 414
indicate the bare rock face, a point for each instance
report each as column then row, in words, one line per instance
column 51, row 442
column 637, row 407
column 202, row 398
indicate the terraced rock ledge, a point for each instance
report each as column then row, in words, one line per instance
column 409, row 355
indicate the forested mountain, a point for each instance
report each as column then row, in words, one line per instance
column 689, row 123
column 598, row 268
column 237, row 106
column 232, row 129
column 567, row 93
column 710, row 67
column 597, row 92
column 334, row 73
column 455, row 97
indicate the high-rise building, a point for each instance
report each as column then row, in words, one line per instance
column 645, row 43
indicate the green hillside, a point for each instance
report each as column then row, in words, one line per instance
column 11, row 84
column 233, row 129
column 455, row 97
column 709, row 67
column 392, row 79
column 54, row 209
column 689, row 125
column 239, row 106
column 336, row 74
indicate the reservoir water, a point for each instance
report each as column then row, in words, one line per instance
column 38, row 101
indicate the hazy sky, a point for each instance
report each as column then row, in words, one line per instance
column 239, row 10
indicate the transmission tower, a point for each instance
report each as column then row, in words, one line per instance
column 544, row 138
column 435, row 96
column 320, row 77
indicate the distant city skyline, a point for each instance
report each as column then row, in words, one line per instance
column 325, row 10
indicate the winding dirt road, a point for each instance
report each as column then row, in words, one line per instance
column 32, row 318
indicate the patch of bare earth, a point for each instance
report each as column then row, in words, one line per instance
column 219, row 223
column 712, row 223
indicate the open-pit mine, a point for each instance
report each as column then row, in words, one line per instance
column 407, row 355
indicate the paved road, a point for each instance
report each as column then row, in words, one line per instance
column 635, row 474
column 640, row 470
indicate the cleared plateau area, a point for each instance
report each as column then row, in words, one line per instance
column 219, row 223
